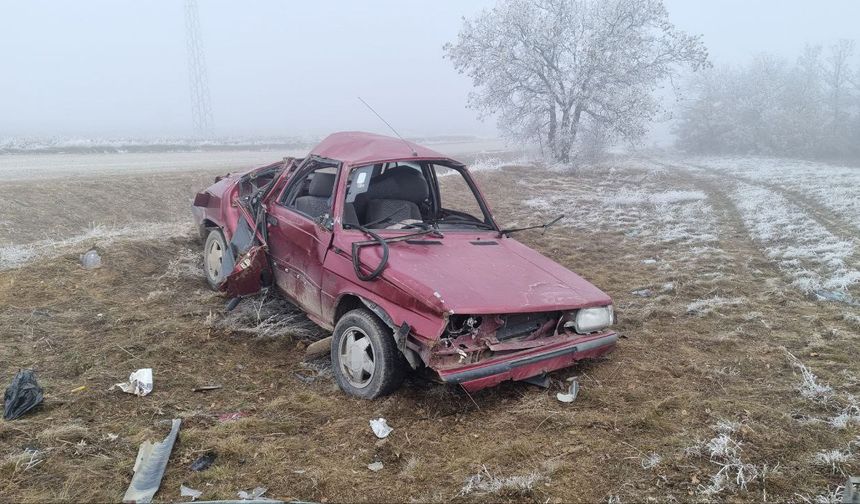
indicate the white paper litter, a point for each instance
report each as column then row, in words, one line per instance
column 380, row 428
column 139, row 383
column 571, row 394
column 375, row 466
column 185, row 491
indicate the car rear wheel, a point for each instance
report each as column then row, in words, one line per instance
column 214, row 251
column 365, row 360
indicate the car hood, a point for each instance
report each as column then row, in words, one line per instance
column 487, row 275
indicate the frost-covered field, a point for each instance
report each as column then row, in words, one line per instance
column 836, row 188
column 730, row 381
column 817, row 261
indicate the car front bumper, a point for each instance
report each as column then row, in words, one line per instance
column 529, row 363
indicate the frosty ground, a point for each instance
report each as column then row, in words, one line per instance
column 736, row 282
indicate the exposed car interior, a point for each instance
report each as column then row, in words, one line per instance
column 403, row 195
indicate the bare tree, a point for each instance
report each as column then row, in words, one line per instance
column 552, row 69
column 837, row 81
column 769, row 106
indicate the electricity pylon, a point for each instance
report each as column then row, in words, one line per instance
column 201, row 108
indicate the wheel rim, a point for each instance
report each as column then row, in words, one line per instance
column 357, row 361
column 214, row 260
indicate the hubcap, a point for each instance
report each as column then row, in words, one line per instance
column 214, row 257
column 357, row 362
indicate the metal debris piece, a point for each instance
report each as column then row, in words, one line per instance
column 375, row 466
column 541, row 380
column 204, row 388
column 253, row 495
column 642, row 293
column 231, row 417
column 185, row 491
column 571, row 394
column 149, row 467
column 380, row 428
column 204, row 461
column 91, row 259
column 22, row 395
column 851, row 494
column 139, row 383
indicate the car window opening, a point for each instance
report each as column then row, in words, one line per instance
column 412, row 195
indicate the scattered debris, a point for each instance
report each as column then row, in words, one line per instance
column 255, row 494
column 380, row 428
column 642, row 293
column 78, row 389
column 91, row 259
column 185, row 491
column 204, row 461
column 149, row 467
column 318, row 348
column 375, row 466
column 22, row 395
column 204, row 388
column 231, row 417
column 139, row 383
column 541, row 381
column 851, row 494
column 571, row 394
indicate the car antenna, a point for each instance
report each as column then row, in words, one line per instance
column 390, row 126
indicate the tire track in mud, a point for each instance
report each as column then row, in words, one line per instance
column 733, row 236
column 832, row 222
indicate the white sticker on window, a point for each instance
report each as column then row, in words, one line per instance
column 362, row 176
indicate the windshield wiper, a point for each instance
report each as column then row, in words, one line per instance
column 546, row 226
column 461, row 220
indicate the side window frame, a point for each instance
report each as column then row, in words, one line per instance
column 467, row 178
column 292, row 187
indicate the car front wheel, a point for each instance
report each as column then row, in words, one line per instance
column 214, row 252
column 366, row 362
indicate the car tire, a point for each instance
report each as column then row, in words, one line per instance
column 364, row 357
column 214, row 252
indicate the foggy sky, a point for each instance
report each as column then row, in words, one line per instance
column 284, row 68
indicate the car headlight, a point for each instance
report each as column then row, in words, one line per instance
column 589, row 320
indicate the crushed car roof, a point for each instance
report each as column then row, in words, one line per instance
column 359, row 148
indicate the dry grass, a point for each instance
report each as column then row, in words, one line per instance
column 718, row 382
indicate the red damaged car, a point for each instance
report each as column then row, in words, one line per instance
column 392, row 246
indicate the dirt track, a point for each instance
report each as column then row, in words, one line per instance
column 703, row 358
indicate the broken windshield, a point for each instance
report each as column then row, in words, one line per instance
column 411, row 194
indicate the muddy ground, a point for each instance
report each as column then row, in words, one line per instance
column 704, row 398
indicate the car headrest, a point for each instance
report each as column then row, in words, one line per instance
column 322, row 184
column 399, row 184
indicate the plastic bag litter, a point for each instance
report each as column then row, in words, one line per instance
column 139, row 383
column 22, row 395
column 375, row 466
column 380, row 428
column 185, row 491
column 91, row 259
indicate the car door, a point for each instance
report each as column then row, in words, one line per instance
column 299, row 232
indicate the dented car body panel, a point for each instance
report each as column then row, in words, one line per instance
column 465, row 299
